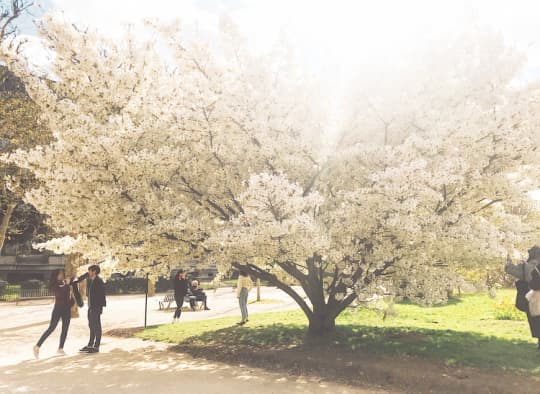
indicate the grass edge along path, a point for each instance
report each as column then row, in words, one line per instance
column 463, row 333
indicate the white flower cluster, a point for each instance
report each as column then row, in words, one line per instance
column 160, row 159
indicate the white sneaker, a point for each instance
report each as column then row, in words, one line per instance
column 60, row 352
column 36, row 351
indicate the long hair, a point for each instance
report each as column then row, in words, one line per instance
column 54, row 278
column 177, row 275
column 534, row 253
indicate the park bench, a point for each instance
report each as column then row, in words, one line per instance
column 168, row 299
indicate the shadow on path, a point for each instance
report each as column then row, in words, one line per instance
column 149, row 370
column 17, row 328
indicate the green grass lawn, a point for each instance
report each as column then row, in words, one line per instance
column 467, row 331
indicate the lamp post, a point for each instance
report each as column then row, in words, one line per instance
column 146, row 301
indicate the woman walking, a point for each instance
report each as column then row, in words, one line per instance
column 242, row 291
column 63, row 302
column 181, row 287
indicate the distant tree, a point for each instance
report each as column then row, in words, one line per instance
column 20, row 128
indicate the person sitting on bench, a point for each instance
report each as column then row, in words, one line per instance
column 199, row 295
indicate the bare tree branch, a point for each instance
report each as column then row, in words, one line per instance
column 8, row 14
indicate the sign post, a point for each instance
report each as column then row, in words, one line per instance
column 146, row 301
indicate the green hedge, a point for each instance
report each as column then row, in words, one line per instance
column 125, row 286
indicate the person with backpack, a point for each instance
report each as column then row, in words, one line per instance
column 528, row 287
column 63, row 301
column 244, row 285
column 96, row 302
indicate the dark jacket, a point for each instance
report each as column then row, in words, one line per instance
column 77, row 294
column 198, row 292
column 95, row 292
column 181, row 287
column 62, row 299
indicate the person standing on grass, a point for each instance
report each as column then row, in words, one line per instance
column 63, row 301
column 527, row 274
column 96, row 302
column 243, row 287
column 181, row 288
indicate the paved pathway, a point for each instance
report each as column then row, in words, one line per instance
column 132, row 365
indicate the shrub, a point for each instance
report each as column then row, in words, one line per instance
column 163, row 285
column 125, row 285
column 505, row 309
column 10, row 292
column 32, row 284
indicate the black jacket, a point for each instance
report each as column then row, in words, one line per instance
column 181, row 287
column 77, row 294
column 95, row 292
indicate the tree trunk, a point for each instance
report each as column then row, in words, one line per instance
column 258, row 289
column 5, row 223
column 321, row 324
column 151, row 288
column 322, row 315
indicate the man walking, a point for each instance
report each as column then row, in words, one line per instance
column 96, row 302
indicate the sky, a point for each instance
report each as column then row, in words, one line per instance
column 328, row 36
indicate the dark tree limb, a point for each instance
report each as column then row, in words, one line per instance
column 264, row 275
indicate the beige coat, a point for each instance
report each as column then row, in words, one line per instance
column 243, row 281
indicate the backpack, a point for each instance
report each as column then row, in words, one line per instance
column 521, row 301
column 533, row 296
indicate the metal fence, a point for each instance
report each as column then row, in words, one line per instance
column 15, row 293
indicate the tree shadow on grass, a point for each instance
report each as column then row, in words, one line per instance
column 451, row 347
column 272, row 336
column 448, row 346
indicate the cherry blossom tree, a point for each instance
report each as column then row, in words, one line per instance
column 411, row 193
column 19, row 125
column 167, row 150
column 151, row 154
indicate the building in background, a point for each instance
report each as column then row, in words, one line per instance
column 16, row 269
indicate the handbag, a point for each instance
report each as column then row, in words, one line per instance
column 533, row 296
column 522, row 287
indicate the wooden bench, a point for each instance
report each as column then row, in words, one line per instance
column 168, row 299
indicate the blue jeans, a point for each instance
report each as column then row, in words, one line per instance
column 242, row 300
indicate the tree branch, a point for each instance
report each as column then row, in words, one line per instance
column 261, row 274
